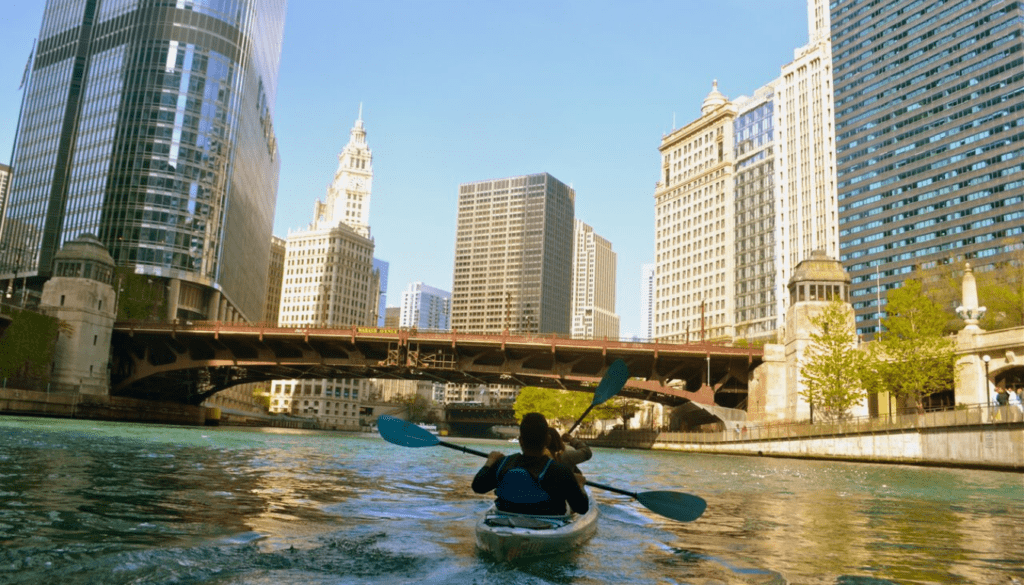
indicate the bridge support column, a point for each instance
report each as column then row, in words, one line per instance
column 173, row 291
column 213, row 308
column 766, row 390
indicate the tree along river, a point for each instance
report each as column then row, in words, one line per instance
column 93, row 502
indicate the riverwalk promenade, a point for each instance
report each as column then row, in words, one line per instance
column 977, row 436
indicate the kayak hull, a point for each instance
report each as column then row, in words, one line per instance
column 513, row 536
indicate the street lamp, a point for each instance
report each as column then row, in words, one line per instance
column 985, row 358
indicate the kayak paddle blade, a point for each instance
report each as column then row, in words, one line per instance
column 675, row 505
column 613, row 381
column 404, row 433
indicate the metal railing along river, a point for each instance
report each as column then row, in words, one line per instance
column 980, row 415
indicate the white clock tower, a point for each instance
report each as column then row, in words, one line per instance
column 348, row 196
column 329, row 281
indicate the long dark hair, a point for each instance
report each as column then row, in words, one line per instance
column 555, row 443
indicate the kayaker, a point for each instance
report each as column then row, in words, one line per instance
column 577, row 452
column 531, row 482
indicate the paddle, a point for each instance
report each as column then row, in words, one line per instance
column 675, row 505
column 613, row 381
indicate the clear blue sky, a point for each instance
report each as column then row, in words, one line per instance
column 462, row 91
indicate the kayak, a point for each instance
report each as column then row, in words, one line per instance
column 509, row 536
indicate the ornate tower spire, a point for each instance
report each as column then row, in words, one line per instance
column 348, row 195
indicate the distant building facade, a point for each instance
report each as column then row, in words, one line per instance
column 593, row 285
column 513, row 256
column 777, row 174
column 380, row 271
column 646, row 303
column 275, row 280
column 392, row 317
column 401, row 390
column 5, row 187
column 330, row 281
column 929, row 102
column 425, row 307
column 487, row 395
column 151, row 125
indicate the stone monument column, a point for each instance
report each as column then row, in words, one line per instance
column 970, row 377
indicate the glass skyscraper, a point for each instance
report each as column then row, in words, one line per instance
column 757, row 313
column 149, row 124
column 929, row 100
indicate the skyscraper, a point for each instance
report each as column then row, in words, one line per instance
column 771, row 196
column 513, row 256
column 694, row 227
column 593, row 285
column 759, row 263
column 929, row 100
column 150, row 124
column 330, row 280
column 425, row 307
column 785, row 184
column 329, row 274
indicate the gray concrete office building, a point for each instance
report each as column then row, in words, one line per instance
column 929, row 101
column 150, row 124
column 513, row 256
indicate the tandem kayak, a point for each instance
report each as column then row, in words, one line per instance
column 511, row 536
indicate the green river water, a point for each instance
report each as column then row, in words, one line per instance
column 85, row 502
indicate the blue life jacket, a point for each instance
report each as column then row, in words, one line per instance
column 518, row 486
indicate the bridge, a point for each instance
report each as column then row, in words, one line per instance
column 188, row 363
column 475, row 420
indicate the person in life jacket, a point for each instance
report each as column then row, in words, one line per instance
column 531, row 482
column 569, row 451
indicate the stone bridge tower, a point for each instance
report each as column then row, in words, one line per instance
column 815, row 282
column 81, row 295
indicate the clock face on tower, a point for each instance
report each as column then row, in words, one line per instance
column 358, row 183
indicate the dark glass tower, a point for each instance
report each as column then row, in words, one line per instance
column 929, row 101
column 149, row 124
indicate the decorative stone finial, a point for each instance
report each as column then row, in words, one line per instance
column 969, row 310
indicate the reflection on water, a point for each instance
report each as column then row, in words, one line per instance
column 86, row 502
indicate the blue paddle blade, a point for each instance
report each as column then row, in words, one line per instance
column 676, row 505
column 613, row 381
column 404, row 433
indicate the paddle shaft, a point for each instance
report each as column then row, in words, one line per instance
column 482, row 454
column 463, row 449
column 580, row 419
column 675, row 505
column 613, row 381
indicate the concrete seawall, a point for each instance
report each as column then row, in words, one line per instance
column 87, row 406
column 980, row 437
column 990, row 447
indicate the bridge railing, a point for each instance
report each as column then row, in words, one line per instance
column 446, row 333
